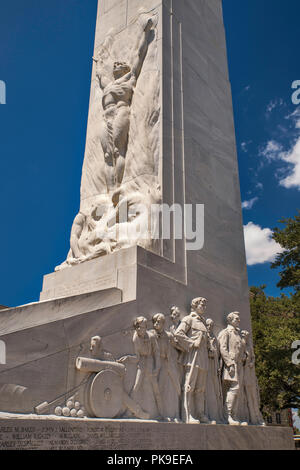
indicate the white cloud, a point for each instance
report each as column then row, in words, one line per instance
column 259, row 186
column 245, row 145
column 288, row 176
column 292, row 180
column 271, row 151
column 295, row 117
column 272, row 105
column 260, row 247
column 249, row 204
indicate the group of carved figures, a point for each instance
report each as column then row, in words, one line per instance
column 188, row 374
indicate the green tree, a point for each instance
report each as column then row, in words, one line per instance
column 276, row 325
column 289, row 260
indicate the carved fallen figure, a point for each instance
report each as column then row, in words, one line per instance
column 145, row 390
column 192, row 336
column 250, row 388
column 169, row 374
column 116, row 102
column 214, row 395
column 107, row 226
column 232, row 349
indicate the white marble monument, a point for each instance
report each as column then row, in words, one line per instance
column 101, row 346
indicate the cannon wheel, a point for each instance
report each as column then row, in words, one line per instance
column 106, row 394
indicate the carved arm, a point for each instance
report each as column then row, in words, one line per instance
column 142, row 50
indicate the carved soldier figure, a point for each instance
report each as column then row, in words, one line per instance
column 232, row 349
column 175, row 318
column 214, row 395
column 193, row 338
column 250, row 383
column 169, row 374
column 145, row 390
column 116, row 102
column 97, row 351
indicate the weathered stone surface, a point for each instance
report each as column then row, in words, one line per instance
column 115, row 271
column 50, row 433
column 183, row 99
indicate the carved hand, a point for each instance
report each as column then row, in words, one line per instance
column 146, row 22
column 123, row 359
column 232, row 370
column 149, row 24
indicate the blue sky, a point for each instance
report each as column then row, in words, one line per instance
column 262, row 41
column 45, row 61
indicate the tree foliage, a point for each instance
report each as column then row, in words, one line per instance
column 276, row 325
column 289, row 260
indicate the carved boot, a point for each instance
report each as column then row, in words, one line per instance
column 186, row 410
column 232, row 421
column 205, row 420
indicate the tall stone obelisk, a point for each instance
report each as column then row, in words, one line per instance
column 180, row 150
column 160, row 131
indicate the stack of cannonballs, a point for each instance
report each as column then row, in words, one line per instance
column 73, row 409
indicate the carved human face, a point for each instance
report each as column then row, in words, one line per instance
column 141, row 329
column 95, row 344
column 175, row 314
column 235, row 320
column 209, row 325
column 201, row 307
column 158, row 323
column 120, row 69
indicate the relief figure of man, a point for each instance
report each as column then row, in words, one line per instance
column 232, row 349
column 192, row 336
column 116, row 102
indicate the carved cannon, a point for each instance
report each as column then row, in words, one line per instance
column 104, row 395
column 104, row 390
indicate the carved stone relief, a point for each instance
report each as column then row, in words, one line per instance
column 121, row 166
column 178, row 374
column 214, row 394
column 169, row 379
column 250, row 391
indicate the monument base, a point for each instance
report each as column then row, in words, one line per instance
column 23, row 432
